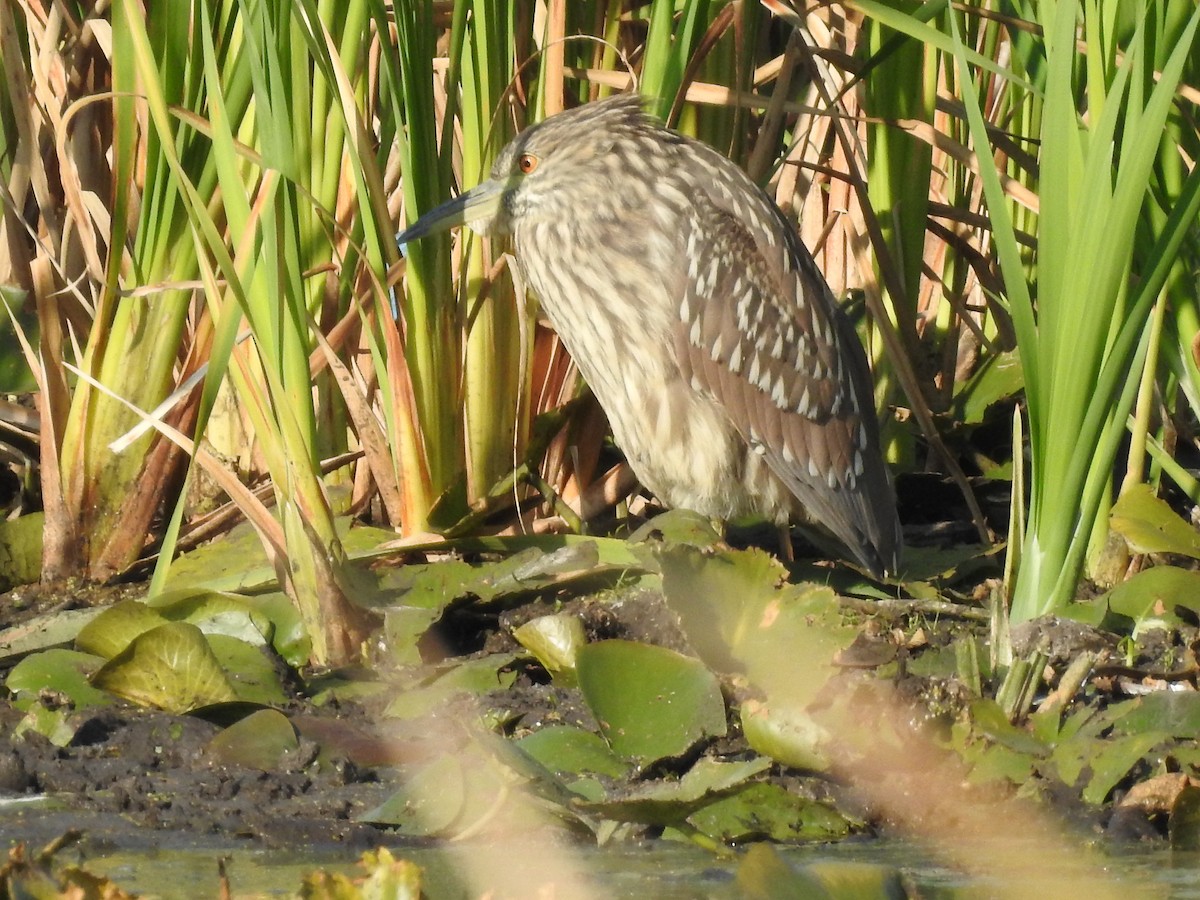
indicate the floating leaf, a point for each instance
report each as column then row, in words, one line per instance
column 786, row 734
column 215, row 612
column 236, row 563
column 555, row 641
column 1175, row 713
column 47, row 630
column 65, row 672
column 115, row 628
column 263, row 740
column 1114, row 760
column 651, row 703
column 1152, row 596
column 998, row 377
column 429, row 803
column 20, row 546
column 742, row 618
column 469, row 677
column 768, row 811
column 1183, row 827
column 567, row 750
column 250, row 670
column 679, row 527
column 1150, row 525
column 171, row 667
column 671, row 802
column 764, row 875
column 466, row 790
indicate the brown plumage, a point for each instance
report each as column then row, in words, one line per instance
column 733, row 383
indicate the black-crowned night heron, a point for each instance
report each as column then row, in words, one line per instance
column 733, row 383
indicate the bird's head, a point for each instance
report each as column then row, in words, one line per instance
column 540, row 173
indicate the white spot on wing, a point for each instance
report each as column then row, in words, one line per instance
column 804, row 407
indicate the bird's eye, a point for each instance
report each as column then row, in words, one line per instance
column 527, row 163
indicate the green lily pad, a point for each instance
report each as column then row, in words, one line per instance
column 530, row 569
column 65, row 672
column 786, row 734
column 215, row 612
column 1116, row 757
column 997, row 378
column 115, row 628
column 567, row 750
column 51, row 629
column 741, row 616
column 555, row 641
column 468, row 790
column 57, row 725
column 20, row 547
column 671, row 802
column 767, row 811
column 237, row 563
column 651, row 703
column 679, row 526
column 250, row 670
column 1176, row 713
column 263, row 740
column 429, row 803
column 764, row 875
column 1152, row 596
column 403, row 629
column 1150, row 525
column 1183, row 827
column 171, row 667
column 291, row 640
column 461, row 677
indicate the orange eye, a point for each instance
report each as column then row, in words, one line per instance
column 527, row 163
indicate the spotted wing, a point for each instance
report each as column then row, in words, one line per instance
column 759, row 332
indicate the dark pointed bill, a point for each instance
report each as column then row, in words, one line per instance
column 481, row 202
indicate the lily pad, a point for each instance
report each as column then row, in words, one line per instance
column 1176, row 713
column 1152, row 597
column 115, row 628
column 786, row 734
column 20, row 547
column 171, row 667
column 651, row 703
column 237, row 563
column 767, row 811
column 250, row 670
column 764, row 875
column 671, row 802
column 215, row 612
column 468, row 790
column 461, row 677
column 556, row 641
column 42, row 632
column 743, row 619
column 263, row 740
column 1150, row 525
column 567, row 750
column 65, row 672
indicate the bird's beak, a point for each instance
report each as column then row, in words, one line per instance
column 480, row 204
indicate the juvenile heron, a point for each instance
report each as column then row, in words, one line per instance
column 733, row 382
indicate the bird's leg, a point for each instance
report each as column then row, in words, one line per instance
column 786, row 553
